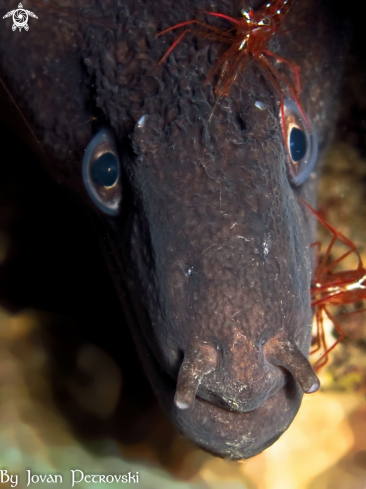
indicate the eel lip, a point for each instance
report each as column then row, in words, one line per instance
column 230, row 434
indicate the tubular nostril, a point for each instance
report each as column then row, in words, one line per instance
column 198, row 361
column 286, row 354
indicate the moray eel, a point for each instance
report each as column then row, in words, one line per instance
column 199, row 216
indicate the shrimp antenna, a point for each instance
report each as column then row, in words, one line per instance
column 19, row 111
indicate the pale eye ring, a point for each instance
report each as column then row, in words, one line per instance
column 102, row 172
column 301, row 144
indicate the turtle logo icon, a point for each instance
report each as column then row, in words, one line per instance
column 20, row 18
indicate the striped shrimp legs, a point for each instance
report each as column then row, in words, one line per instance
column 247, row 39
column 334, row 288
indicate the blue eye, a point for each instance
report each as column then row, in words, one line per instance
column 297, row 142
column 105, row 170
column 101, row 172
column 301, row 144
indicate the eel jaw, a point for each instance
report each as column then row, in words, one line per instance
column 219, row 431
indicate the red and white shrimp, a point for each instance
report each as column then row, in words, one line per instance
column 332, row 288
column 248, row 39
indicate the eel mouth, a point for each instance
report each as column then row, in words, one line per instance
column 220, row 431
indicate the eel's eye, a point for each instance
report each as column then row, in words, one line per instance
column 301, row 144
column 102, row 172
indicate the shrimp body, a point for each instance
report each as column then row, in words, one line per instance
column 341, row 288
column 257, row 27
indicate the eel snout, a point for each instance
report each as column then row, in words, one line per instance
column 226, row 381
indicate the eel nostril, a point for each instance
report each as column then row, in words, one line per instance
column 198, row 361
column 285, row 353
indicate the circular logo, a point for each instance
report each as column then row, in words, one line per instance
column 20, row 19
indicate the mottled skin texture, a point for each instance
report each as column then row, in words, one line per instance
column 211, row 246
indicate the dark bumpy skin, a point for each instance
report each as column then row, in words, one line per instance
column 210, row 252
